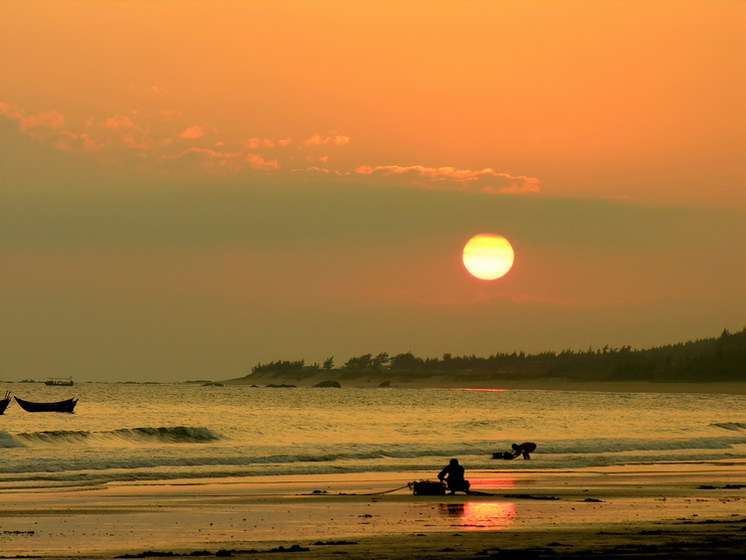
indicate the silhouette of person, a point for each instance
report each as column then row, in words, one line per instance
column 453, row 475
column 523, row 449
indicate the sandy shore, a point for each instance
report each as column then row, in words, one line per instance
column 691, row 509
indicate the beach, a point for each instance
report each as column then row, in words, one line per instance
column 184, row 470
column 695, row 509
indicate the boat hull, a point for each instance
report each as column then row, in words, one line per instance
column 60, row 406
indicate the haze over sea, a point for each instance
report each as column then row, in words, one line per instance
column 122, row 432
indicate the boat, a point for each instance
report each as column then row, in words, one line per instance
column 60, row 406
column 60, row 382
column 4, row 402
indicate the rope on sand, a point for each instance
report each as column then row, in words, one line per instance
column 409, row 485
column 384, row 492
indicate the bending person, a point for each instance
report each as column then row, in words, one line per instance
column 453, row 475
column 523, row 449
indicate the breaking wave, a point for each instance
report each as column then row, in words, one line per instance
column 7, row 440
column 732, row 426
column 179, row 434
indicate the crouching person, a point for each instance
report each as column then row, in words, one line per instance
column 453, row 475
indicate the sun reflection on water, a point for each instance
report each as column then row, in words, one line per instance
column 476, row 516
column 504, row 483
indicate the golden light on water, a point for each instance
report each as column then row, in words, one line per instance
column 488, row 256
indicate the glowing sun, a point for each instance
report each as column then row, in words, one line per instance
column 488, row 256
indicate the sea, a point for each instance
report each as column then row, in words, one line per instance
column 143, row 432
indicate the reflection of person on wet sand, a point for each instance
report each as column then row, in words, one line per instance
column 453, row 475
column 523, row 449
column 452, row 510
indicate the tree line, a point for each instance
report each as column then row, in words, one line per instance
column 711, row 359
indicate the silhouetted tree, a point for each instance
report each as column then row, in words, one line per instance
column 381, row 360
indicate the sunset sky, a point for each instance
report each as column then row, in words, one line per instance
column 188, row 188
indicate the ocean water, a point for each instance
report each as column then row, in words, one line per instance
column 123, row 432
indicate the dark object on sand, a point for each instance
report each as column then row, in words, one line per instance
column 427, row 488
column 329, row 383
column 4, row 402
column 60, row 406
column 279, row 386
column 507, row 455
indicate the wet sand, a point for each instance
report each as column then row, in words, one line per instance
column 644, row 511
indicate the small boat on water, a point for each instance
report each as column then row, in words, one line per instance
column 60, row 406
column 4, row 402
column 60, row 382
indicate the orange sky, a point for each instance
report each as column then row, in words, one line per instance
column 256, row 170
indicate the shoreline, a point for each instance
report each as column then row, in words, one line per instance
column 714, row 388
column 595, row 508
column 450, row 383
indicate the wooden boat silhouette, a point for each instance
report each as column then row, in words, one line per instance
column 59, row 406
column 4, row 402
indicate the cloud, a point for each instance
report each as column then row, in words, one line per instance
column 118, row 122
column 213, row 162
column 130, row 141
column 484, row 180
column 331, row 140
column 136, row 137
column 157, row 89
column 50, row 119
column 206, row 152
column 254, row 143
column 316, row 169
column 71, row 142
column 258, row 163
column 193, row 132
column 530, row 185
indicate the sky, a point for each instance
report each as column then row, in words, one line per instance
column 189, row 188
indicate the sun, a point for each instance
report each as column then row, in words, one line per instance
column 488, row 256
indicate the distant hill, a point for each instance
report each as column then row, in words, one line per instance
column 721, row 359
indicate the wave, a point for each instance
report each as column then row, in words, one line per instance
column 178, row 434
column 7, row 440
column 586, row 452
column 732, row 426
column 609, row 445
column 235, row 467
